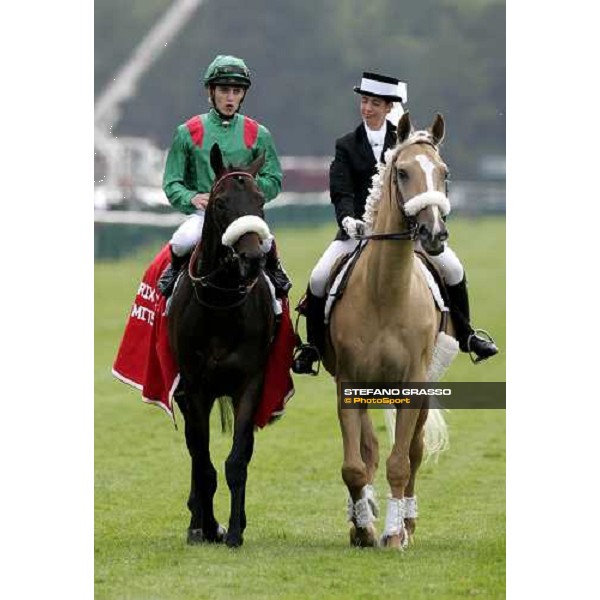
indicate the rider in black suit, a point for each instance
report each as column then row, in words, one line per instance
column 351, row 172
column 356, row 157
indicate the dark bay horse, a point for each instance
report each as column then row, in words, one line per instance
column 221, row 323
column 386, row 328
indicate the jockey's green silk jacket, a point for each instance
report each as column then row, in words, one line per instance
column 188, row 171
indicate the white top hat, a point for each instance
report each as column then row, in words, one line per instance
column 388, row 88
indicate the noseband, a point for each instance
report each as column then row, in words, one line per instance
column 207, row 280
column 410, row 220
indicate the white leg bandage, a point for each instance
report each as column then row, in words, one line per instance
column 394, row 518
column 320, row 274
column 361, row 511
column 188, row 234
column 449, row 266
column 410, row 508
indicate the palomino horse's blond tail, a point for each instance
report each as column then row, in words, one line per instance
column 436, row 432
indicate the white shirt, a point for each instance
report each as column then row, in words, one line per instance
column 376, row 139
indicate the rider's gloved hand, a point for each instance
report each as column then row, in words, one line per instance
column 353, row 227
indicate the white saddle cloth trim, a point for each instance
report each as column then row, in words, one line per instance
column 433, row 286
column 336, row 284
column 276, row 303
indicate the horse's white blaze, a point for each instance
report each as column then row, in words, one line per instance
column 436, row 220
column 428, row 167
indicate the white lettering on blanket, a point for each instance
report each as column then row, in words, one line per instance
column 147, row 292
column 143, row 314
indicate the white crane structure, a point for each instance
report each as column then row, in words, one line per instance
column 126, row 157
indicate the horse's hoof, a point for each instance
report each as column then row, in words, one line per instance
column 363, row 537
column 197, row 536
column 234, row 541
column 396, row 541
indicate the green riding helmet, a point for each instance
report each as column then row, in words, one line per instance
column 227, row 70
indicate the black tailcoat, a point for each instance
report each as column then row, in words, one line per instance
column 351, row 172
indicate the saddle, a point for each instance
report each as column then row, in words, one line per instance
column 342, row 271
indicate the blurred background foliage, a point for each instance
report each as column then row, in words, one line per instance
column 306, row 55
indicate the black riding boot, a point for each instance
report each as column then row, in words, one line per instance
column 276, row 273
column 314, row 311
column 166, row 282
column 469, row 339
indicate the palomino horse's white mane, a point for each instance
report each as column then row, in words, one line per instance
column 372, row 202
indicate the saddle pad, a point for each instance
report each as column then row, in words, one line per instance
column 341, row 279
column 339, row 283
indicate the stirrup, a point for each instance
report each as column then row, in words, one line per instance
column 301, row 366
column 481, row 333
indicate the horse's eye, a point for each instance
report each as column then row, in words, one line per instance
column 402, row 175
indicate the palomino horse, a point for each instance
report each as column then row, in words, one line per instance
column 221, row 323
column 385, row 328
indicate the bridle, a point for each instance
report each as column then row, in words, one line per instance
column 411, row 220
column 207, row 281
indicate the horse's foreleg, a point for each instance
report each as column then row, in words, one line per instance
column 369, row 451
column 417, row 446
column 236, row 465
column 398, row 475
column 203, row 525
column 369, row 446
column 355, row 476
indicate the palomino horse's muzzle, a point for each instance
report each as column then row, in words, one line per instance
column 429, row 210
column 432, row 238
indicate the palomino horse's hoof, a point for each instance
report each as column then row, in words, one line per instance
column 396, row 541
column 196, row 536
column 363, row 537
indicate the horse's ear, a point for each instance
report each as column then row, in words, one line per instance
column 438, row 128
column 404, row 127
column 216, row 160
column 257, row 164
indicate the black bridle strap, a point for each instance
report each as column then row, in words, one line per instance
column 400, row 235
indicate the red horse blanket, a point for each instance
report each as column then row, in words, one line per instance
column 145, row 360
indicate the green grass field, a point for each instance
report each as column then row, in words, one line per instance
column 296, row 543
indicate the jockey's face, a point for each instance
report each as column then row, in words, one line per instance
column 374, row 110
column 227, row 98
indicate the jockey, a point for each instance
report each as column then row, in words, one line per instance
column 188, row 176
column 356, row 157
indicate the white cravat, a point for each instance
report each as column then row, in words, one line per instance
column 376, row 139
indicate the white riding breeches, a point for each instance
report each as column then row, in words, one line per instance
column 188, row 234
column 320, row 274
column 448, row 264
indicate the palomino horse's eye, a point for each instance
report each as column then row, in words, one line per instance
column 402, row 175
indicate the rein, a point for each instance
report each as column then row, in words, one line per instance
column 409, row 234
